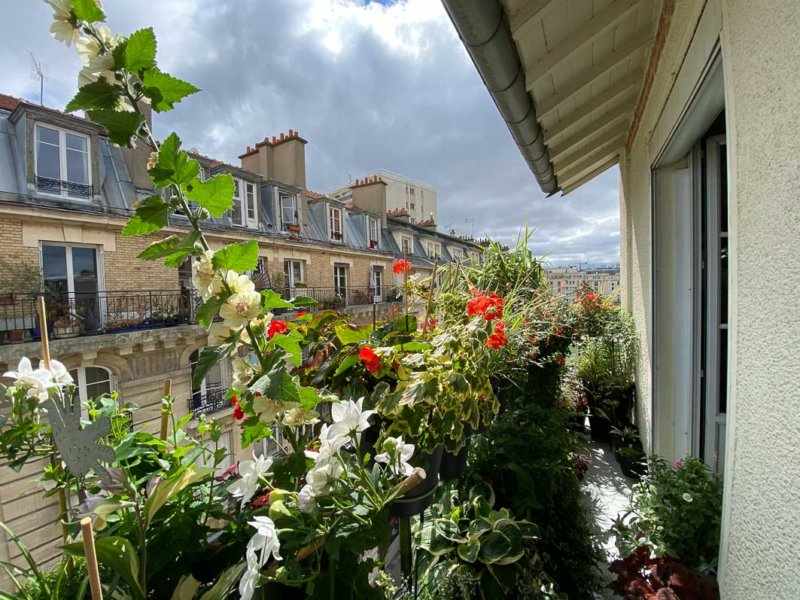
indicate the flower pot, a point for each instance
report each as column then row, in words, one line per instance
column 67, row 331
column 600, row 428
column 16, row 335
column 421, row 497
column 453, row 465
column 631, row 461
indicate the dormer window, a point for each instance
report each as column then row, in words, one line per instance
column 244, row 212
column 407, row 246
column 62, row 163
column 289, row 217
column 433, row 249
column 335, row 230
column 373, row 232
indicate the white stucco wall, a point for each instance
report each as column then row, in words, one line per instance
column 761, row 62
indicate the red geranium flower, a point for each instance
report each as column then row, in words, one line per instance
column 401, row 266
column 275, row 327
column 489, row 307
column 262, row 500
column 371, row 361
column 498, row 339
column 235, row 400
column 300, row 313
column 238, row 413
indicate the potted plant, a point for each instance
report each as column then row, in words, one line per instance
column 66, row 326
column 628, row 450
column 300, row 284
column 293, row 227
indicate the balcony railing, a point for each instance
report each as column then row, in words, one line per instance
column 90, row 313
column 211, row 401
column 334, row 298
column 58, row 187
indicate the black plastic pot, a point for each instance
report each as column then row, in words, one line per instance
column 631, row 465
column 601, row 428
column 421, row 497
column 453, row 465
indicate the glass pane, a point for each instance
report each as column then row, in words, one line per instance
column 723, row 371
column 54, row 269
column 45, row 134
column 96, row 375
column 84, row 269
column 723, row 188
column 48, row 163
column 77, row 166
column 214, row 377
column 76, row 142
column 723, row 281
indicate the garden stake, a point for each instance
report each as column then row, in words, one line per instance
column 404, row 524
column 62, row 497
column 164, row 413
column 91, row 558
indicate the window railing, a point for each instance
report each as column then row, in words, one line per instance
column 335, row 298
column 91, row 313
column 58, row 187
column 211, row 401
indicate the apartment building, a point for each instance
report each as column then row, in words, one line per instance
column 122, row 324
column 404, row 197
column 566, row 281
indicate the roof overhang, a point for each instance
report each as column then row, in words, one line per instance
column 579, row 65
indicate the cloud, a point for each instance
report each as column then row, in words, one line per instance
column 369, row 84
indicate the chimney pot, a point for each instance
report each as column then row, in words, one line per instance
column 274, row 139
column 291, row 133
column 283, row 136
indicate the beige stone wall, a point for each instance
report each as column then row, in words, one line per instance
column 124, row 271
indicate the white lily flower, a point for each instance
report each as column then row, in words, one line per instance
column 240, row 308
column 243, row 372
column 37, row 382
column 396, row 453
column 59, row 372
column 349, row 419
column 250, row 480
column 204, row 275
column 324, row 475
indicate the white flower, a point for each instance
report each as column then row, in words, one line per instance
column 204, row 276
column 242, row 374
column 349, row 419
column 396, row 453
column 296, row 417
column 240, row 308
column 38, row 382
column 218, row 334
column 248, row 582
column 687, row 497
column 239, row 283
column 269, row 409
column 322, row 477
column 250, row 480
column 59, row 372
column 90, row 48
column 63, row 28
column 305, row 499
column 265, row 541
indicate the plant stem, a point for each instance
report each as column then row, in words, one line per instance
column 142, row 549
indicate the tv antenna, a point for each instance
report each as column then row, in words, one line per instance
column 38, row 71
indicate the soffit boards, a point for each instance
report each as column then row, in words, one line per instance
column 584, row 64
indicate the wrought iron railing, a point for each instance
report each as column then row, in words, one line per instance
column 89, row 313
column 211, row 401
column 334, row 297
column 58, row 187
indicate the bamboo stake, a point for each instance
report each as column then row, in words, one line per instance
column 165, row 414
column 91, row 558
column 40, row 305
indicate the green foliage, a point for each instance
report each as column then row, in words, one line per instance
column 676, row 510
column 237, row 257
column 99, row 94
column 164, row 90
column 87, row 10
column 118, row 555
column 174, row 249
column 61, row 583
column 215, row 194
column 139, row 51
column 173, row 165
column 152, row 214
column 120, row 125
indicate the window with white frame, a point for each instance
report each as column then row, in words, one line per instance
column 92, row 383
column 62, row 163
column 245, row 200
column 407, row 246
column 432, row 249
column 373, row 232
column 289, row 214
column 335, row 224
column 457, row 253
column 340, row 280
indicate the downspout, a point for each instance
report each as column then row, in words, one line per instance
column 482, row 27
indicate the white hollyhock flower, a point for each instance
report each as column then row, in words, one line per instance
column 90, row 47
column 269, row 409
column 240, row 308
column 203, row 275
column 297, row 417
column 396, row 453
column 63, row 28
column 242, row 374
column 251, row 472
column 37, row 382
column 349, row 419
column 239, row 283
column 305, row 499
column 218, row 334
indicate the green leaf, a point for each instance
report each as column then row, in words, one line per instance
column 509, row 529
column 209, row 357
column 140, row 50
column 88, row 10
column 215, row 194
column 278, row 385
column 165, row 90
column 272, row 300
column 152, row 214
column 349, row 334
column 206, row 313
column 174, row 249
column 98, row 94
column 174, row 165
column 309, row 398
column 225, row 583
column 303, row 302
column 348, row 362
column 171, row 487
column 494, row 547
column 120, row 125
column 237, row 257
column 291, row 344
column 119, row 556
column 468, row 552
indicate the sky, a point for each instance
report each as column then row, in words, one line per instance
column 370, row 84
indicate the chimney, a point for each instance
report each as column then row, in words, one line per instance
column 289, row 159
column 370, row 194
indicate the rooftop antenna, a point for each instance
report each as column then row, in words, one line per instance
column 38, row 71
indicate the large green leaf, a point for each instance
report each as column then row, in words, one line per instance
column 171, row 487
column 309, row 397
column 165, row 90
column 346, row 363
column 206, row 313
column 349, row 334
column 98, row 94
column 174, row 165
column 119, row 555
column 291, row 344
column 140, row 50
column 237, row 257
column 303, row 302
column 174, row 249
column 494, row 547
column 272, row 300
column 469, row 551
column 209, row 357
column 152, row 214
column 88, row 10
column 215, row 194
column 278, row 385
column 509, row 529
column 120, row 125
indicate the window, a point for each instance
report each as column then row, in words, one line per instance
column 209, row 395
column 457, row 253
column 62, row 163
column 373, row 232
column 244, row 211
column 72, row 277
column 407, row 245
column 293, row 271
column 432, row 249
column 91, row 382
column 340, row 280
column 335, row 224
column 289, row 214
